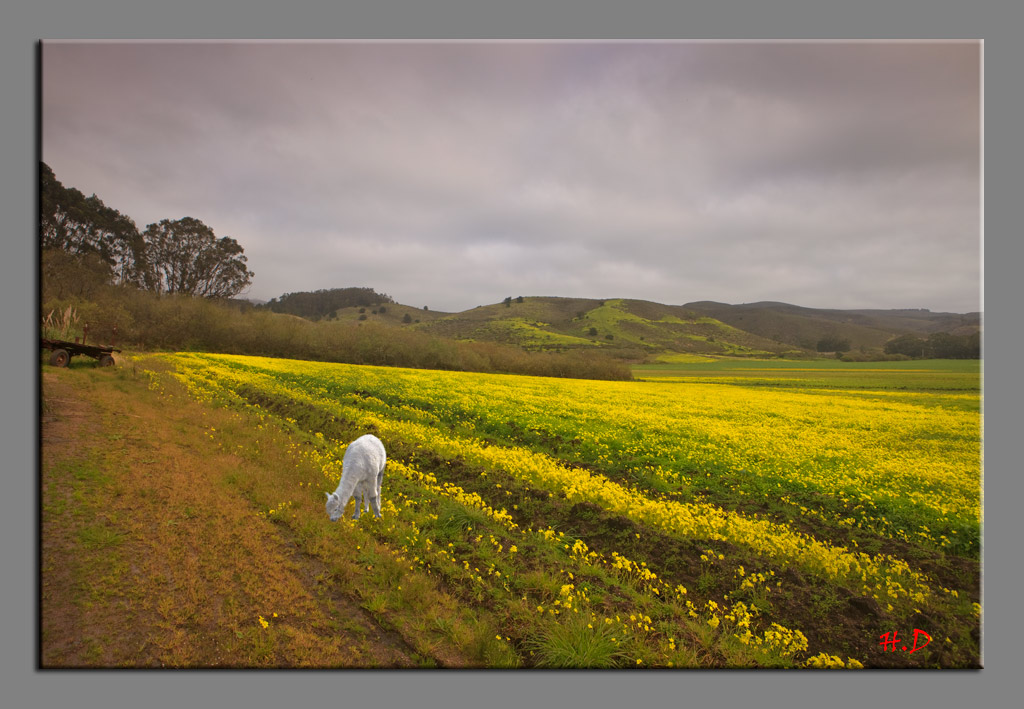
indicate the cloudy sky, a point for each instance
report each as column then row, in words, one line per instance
column 451, row 175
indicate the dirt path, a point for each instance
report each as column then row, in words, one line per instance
column 149, row 558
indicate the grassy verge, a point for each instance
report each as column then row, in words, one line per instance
column 162, row 545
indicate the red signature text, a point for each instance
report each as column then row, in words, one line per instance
column 890, row 642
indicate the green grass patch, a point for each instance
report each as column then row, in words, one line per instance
column 527, row 333
column 577, row 642
column 921, row 375
column 100, row 536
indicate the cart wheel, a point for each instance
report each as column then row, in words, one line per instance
column 60, row 358
column 106, row 360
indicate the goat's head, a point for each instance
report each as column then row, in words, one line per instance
column 334, row 507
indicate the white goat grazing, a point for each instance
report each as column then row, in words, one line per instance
column 362, row 472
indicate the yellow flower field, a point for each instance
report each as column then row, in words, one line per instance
column 700, row 508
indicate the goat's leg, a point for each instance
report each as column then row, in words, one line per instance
column 358, row 497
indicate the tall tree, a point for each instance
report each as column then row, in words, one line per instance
column 186, row 257
column 81, row 226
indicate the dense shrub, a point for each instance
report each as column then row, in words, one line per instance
column 148, row 321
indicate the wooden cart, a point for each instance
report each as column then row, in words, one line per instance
column 61, row 351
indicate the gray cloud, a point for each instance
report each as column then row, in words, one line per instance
column 452, row 175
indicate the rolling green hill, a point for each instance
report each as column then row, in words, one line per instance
column 626, row 329
column 639, row 330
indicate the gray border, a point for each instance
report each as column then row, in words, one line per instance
column 995, row 22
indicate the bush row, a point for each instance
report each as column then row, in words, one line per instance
column 151, row 322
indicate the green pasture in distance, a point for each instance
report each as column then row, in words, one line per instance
column 960, row 375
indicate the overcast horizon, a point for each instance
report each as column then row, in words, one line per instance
column 450, row 175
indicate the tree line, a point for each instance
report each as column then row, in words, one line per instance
column 173, row 256
column 319, row 304
column 150, row 322
column 938, row 345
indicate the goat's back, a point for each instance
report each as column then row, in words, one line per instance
column 364, row 457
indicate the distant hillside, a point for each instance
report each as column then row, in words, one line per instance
column 639, row 330
column 386, row 313
column 623, row 329
column 804, row 327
